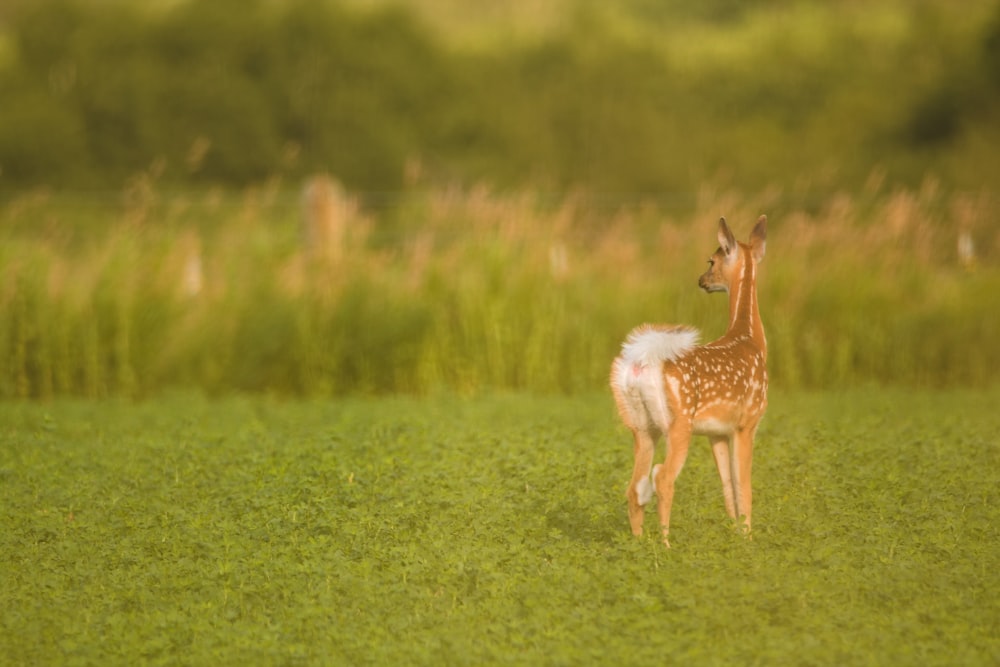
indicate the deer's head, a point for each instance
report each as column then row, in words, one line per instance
column 727, row 262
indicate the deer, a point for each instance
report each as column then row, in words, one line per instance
column 665, row 383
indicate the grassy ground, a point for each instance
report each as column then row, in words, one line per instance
column 490, row 530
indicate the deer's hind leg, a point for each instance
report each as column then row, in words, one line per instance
column 678, row 441
column 640, row 489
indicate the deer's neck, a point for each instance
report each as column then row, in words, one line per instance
column 744, row 316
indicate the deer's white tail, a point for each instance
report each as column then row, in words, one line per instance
column 651, row 345
column 637, row 373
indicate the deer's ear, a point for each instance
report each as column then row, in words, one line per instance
column 758, row 238
column 727, row 241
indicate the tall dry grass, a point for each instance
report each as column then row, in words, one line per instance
column 459, row 289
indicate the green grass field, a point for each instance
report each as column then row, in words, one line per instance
column 491, row 530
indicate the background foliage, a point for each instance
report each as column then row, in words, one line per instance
column 523, row 185
column 634, row 97
column 464, row 289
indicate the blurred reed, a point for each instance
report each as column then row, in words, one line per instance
column 451, row 289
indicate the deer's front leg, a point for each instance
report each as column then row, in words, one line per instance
column 743, row 468
column 678, row 441
column 720, row 450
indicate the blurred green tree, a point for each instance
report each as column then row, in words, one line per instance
column 642, row 97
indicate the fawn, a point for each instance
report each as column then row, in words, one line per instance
column 664, row 383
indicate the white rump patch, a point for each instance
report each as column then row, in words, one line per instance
column 650, row 345
column 637, row 375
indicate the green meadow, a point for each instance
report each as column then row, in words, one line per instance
column 491, row 530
